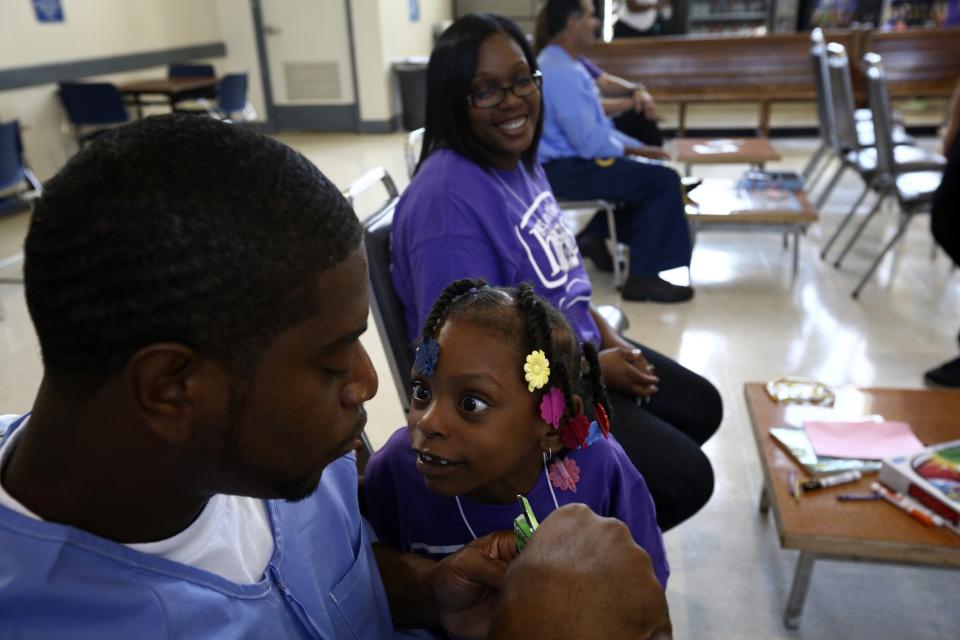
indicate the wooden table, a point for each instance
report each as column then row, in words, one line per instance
column 821, row 527
column 720, row 205
column 752, row 151
column 167, row 88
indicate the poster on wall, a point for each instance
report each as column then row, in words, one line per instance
column 48, row 10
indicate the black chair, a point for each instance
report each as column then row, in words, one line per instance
column 92, row 108
column 912, row 188
column 385, row 306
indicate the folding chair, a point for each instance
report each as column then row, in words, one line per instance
column 384, row 304
column 913, row 189
column 853, row 153
column 577, row 214
column 851, row 130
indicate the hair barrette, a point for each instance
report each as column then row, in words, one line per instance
column 600, row 413
column 425, row 361
column 573, row 435
column 536, row 369
column 552, row 407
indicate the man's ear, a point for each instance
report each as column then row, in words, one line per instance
column 164, row 380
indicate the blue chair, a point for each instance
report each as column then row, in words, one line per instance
column 92, row 108
column 18, row 184
column 232, row 98
column 180, row 70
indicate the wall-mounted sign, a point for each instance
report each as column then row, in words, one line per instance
column 48, row 10
column 414, row 10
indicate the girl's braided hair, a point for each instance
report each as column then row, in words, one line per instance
column 543, row 327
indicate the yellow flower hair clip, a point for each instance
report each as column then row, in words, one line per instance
column 536, row 370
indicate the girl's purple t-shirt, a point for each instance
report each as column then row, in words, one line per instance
column 406, row 515
column 458, row 220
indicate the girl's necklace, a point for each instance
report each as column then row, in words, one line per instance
column 553, row 495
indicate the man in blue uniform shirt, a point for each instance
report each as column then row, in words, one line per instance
column 198, row 292
column 585, row 157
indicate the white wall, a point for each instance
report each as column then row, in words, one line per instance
column 382, row 33
column 96, row 29
column 237, row 32
column 93, row 29
column 99, row 28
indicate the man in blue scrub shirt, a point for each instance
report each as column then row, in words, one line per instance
column 198, row 292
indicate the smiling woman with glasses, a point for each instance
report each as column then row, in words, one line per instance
column 487, row 97
column 479, row 206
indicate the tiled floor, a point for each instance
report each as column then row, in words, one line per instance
column 749, row 321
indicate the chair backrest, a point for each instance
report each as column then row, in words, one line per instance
column 841, row 90
column 821, row 85
column 384, row 304
column 179, row 70
column 232, row 96
column 879, row 100
column 90, row 103
column 411, row 150
column 11, row 158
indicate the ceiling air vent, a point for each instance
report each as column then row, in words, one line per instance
column 312, row 80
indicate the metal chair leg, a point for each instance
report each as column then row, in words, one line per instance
column 863, row 225
column 808, row 187
column 814, row 159
column 614, row 248
column 844, row 222
column 876, row 263
column 830, row 186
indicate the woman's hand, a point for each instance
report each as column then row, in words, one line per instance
column 625, row 369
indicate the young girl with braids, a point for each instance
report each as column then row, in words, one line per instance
column 495, row 412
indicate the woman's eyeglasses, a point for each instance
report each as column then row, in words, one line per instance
column 489, row 97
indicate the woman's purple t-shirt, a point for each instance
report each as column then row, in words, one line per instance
column 458, row 220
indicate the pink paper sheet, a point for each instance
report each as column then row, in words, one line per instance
column 862, row 440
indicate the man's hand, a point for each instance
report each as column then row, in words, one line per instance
column 466, row 584
column 581, row 576
column 654, row 153
column 625, row 369
column 643, row 103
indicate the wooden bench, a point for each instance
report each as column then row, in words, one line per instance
column 918, row 63
column 777, row 67
column 698, row 69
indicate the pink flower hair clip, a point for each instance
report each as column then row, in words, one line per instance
column 552, row 407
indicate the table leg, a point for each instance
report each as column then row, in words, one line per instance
column 682, row 120
column 796, row 250
column 686, row 170
column 765, row 119
column 798, row 592
column 764, row 505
